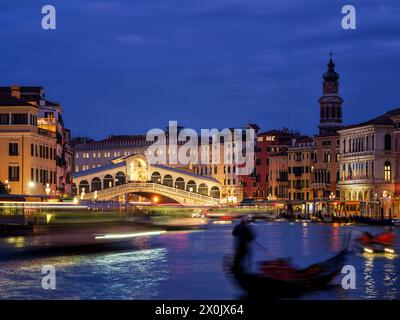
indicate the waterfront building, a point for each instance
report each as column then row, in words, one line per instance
column 301, row 169
column 28, row 152
column 90, row 153
column 368, row 161
column 278, row 176
column 49, row 119
column 268, row 144
column 395, row 116
column 225, row 173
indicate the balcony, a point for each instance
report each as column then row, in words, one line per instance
column 356, row 154
column 46, row 133
column 357, row 181
column 320, row 185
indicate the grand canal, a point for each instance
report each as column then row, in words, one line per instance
column 187, row 265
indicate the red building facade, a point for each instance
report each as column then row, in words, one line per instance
column 269, row 143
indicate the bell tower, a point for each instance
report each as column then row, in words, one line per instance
column 330, row 119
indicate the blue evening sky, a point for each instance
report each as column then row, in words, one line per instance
column 125, row 66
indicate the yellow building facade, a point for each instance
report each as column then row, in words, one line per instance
column 27, row 153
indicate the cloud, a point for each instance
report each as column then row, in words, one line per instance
column 205, row 63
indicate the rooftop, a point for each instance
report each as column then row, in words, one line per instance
column 184, row 172
column 383, row 120
column 10, row 101
column 98, row 169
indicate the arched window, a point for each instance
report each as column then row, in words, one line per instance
column 168, row 180
column 203, row 189
column 191, row 186
column 388, row 171
column 96, row 184
column 120, row 178
column 84, row 186
column 108, row 181
column 388, row 142
column 155, row 177
column 180, row 183
column 215, row 193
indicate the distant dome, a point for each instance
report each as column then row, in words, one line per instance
column 331, row 74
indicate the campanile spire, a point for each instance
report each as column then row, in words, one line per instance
column 330, row 102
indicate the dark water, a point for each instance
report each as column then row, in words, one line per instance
column 187, row 265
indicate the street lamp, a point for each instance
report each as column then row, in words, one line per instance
column 7, row 185
column 31, row 185
column 389, row 200
column 82, row 193
column 47, row 190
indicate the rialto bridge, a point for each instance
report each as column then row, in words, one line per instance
column 134, row 175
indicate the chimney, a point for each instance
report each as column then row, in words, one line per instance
column 15, row 92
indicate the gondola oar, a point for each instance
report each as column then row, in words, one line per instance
column 261, row 246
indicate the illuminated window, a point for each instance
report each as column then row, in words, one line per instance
column 388, row 171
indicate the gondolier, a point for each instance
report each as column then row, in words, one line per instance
column 244, row 235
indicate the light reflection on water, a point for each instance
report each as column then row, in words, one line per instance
column 389, row 280
column 187, row 265
column 125, row 275
column 369, row 280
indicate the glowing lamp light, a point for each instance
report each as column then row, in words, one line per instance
column 368, row 250
column 128, row 235
column 83, row 193
column 388, row 250
column 156, row 199
column 47, row 190
column 31, row 184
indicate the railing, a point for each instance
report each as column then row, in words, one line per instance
column 357, row 181
column 46, row 133
column 320, row 185
column 154, row 187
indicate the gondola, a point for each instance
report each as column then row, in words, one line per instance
column 281, row 284
column 381, row 243
column 373, row 221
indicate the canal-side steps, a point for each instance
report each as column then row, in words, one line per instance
column 179, row 195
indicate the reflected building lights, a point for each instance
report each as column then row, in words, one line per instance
column 369, row 282
column 390, row 279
